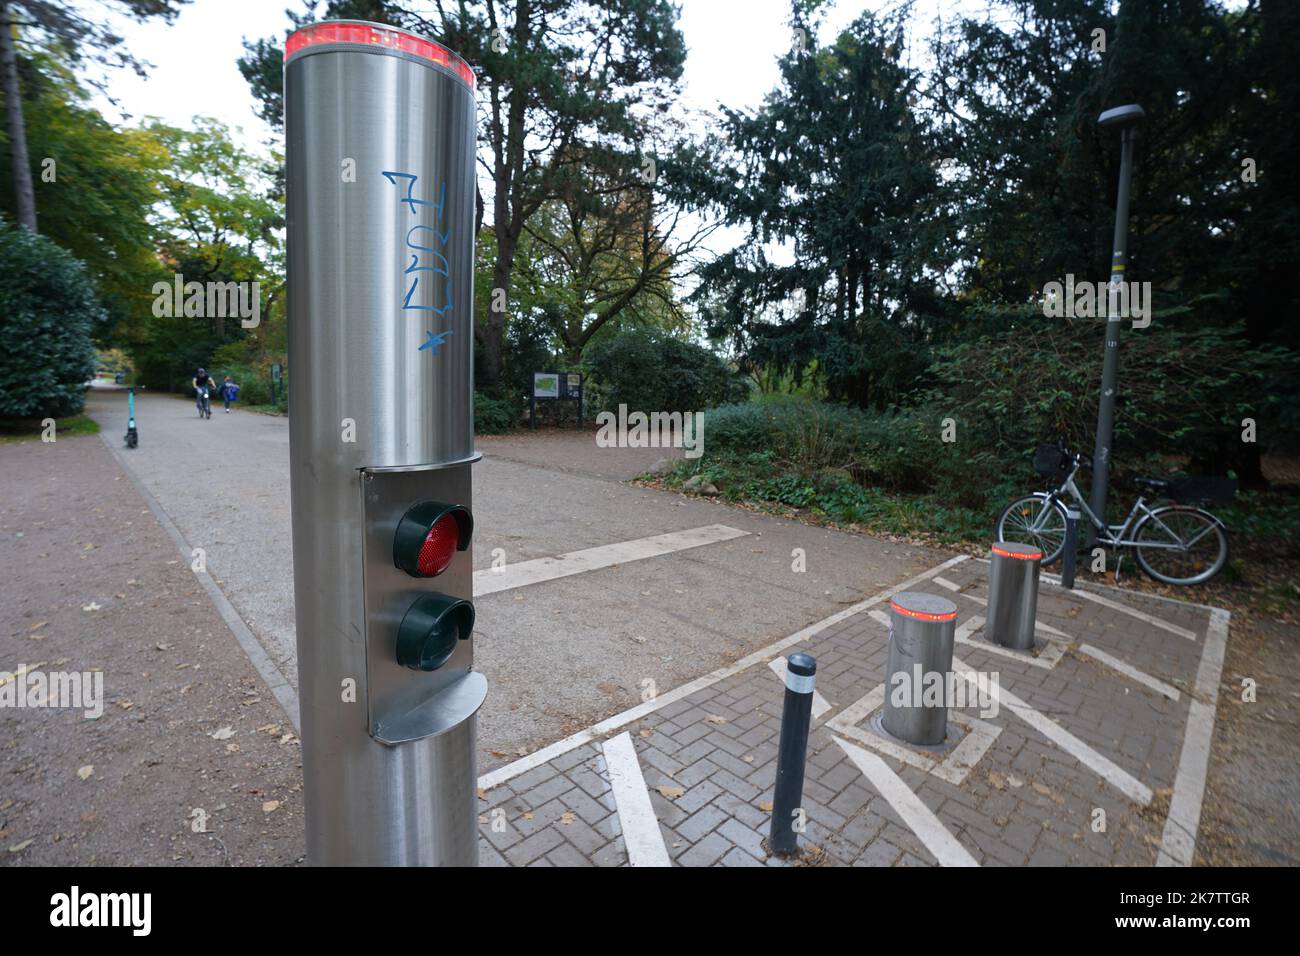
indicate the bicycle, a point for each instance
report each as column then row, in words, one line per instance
column 204, row 405
column 1179, row 543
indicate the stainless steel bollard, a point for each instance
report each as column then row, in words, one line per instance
column 379, row 167
column 1013, row 595
column 921, row 632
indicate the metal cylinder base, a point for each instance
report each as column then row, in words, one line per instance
column 922, row 628
column 1013, row 595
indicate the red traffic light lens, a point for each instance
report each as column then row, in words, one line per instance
column 428, row 537
column 439, row 546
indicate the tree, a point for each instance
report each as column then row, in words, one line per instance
column 48, row 312
column 608, row 249
column 837, row 166
column 216, row 223
column 97, row 187
column 80, row 39
column 567, row 85
column 1033, row 192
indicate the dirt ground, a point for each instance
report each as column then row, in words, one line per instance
column 573, row 450
column 189, row 739
column 1255, row 758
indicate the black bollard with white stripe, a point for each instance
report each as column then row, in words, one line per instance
column 796, row 719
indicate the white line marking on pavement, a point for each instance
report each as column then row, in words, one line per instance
column 819, row 703
column 1134, row 612
column 595, row 732
column 1051, row 654
column 1112, row 773
column 920, row 818
column 1038, row 625
column 1178, row 842
column 636, row 816
column 953, row 767
column 275, row 681
column 1095, row 586
column 524, row 573
column 1128, row 670
column 956, row 588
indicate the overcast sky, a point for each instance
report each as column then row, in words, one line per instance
column 732, row 44
column 732, row 49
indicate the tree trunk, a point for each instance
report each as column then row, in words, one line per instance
column 493, row 336
column 24, row 191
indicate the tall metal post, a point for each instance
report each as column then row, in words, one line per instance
column 379, row 143
column 1126, row 119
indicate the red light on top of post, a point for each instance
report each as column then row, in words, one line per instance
column 1026, row 555
column 922, row 615
column 365, row 34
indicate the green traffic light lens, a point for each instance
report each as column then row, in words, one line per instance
column 429, row 632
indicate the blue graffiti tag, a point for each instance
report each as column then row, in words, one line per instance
column 431, row 341
column 420, row 240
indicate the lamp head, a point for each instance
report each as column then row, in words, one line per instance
column 1121, row 115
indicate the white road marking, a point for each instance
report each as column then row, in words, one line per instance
column 636, row 816
column 524, row 573
column 954, row 767
column 956, row 588
column 597, row 731
column 920, row 818
column 1134, row 612
column 1038, row 625
column 1178, row 842
column 1128, row 670
column 1113, row 774
column 819, row 703
column 1052, row 652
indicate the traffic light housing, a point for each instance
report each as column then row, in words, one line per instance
column 419, row 595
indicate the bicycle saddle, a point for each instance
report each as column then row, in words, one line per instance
column 1154, row 484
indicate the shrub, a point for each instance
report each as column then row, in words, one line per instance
column 48, row 313
column 649, row 370
column 494, row 416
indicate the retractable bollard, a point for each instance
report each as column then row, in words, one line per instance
column 1070, row 553
column 792, row 751
column 922, row 628
column 379, row 156
column 1013, row 595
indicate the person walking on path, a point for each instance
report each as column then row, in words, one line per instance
column 229, row 392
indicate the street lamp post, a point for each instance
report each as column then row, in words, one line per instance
column 1126, row 119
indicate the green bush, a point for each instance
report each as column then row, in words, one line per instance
column 48, row 313
column 650, row 371
column 494, row 416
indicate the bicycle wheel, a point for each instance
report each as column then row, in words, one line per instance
column 1033, row 520
column 1180, row 545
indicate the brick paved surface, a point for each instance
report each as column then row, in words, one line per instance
column 709, row 758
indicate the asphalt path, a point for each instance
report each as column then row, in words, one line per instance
column 561, row 654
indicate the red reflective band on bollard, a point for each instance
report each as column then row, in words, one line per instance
column 921, row 615
column 366, row 35
column 1027, row 556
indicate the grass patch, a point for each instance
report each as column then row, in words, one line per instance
column 836, row 479
column 831, row 497
column 31, row 429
